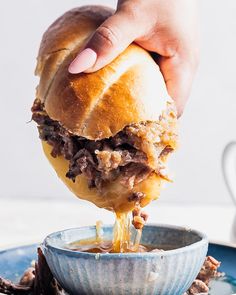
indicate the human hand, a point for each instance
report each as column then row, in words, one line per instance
column 166, row 27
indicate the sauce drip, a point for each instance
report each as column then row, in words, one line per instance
column 121, row 242
column 121, row 233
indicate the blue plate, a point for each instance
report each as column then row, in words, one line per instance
column 14, row 261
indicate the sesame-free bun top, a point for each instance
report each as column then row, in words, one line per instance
column 129, row 90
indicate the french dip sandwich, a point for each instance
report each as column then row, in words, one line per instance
column 109, row 133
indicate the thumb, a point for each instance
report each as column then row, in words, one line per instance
column 108, row 41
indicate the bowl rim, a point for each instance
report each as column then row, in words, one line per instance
column 203, row 241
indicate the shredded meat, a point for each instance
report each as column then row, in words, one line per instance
column 198, row 287
column 109, row 159
column 28, row 277
column 208, row 272
column 168, row 149
column 45, row 283
column 139, row 217
column 7, row 287
column 132, row 154
column 137, row 197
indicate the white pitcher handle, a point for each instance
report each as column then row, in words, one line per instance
column 229, row 169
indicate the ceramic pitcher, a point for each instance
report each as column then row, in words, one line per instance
column 229, row 172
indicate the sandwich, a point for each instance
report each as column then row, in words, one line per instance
column 109, row 133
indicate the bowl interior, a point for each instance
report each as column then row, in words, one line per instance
column 164, row 237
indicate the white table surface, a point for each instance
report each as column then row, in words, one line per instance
column 25, row 221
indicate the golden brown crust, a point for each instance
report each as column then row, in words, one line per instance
column 68, row 32
column 97, row 105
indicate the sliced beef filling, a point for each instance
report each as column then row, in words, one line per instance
column 104, row 160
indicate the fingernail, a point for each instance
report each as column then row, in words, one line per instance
column 83, row 61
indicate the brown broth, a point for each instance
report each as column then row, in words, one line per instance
column 105, row 246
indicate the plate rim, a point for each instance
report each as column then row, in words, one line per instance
column 223, row 243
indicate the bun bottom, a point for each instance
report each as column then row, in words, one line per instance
column 115, row 196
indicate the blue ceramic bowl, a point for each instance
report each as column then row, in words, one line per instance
column 168, row 272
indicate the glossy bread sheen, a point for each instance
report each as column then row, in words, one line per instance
column 129, row 90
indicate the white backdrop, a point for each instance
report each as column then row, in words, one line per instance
column 208, row 124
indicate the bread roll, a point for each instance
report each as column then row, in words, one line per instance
column 98, row 105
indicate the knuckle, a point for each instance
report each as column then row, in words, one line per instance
column 107, row 36
column 132, row 11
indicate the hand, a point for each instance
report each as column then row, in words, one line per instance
column 166, row 27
